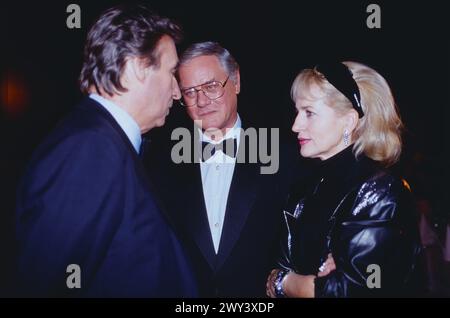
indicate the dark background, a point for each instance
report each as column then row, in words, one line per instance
column 271, row 40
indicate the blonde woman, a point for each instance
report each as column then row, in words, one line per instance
column 354, row 233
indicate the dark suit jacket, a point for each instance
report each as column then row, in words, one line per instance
column 86, row 200
column 250, row 234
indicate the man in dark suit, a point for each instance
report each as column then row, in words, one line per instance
column 88, row 222
column 227, row 207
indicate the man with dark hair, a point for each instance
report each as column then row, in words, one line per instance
column 88, row 222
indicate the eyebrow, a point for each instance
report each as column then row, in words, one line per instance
column 207, row 82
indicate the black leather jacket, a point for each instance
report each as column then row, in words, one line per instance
column 363, row 215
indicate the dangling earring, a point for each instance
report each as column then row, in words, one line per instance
column 346, row 138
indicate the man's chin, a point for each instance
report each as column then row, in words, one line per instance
column 208, row 124
column 161, row 122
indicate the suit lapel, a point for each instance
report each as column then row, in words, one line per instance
column 242, row 195
column 197, row 223
column 94, row 106
column 243, row 192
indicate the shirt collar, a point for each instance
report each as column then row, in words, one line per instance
column 234, row 132
column 125, row 121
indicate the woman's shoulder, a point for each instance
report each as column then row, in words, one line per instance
column 370, row 175
column 382, row 180
column 382, row 192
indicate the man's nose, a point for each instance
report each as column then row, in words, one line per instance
column 176, row 93
column 202, row 100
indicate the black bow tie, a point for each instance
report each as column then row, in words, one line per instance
column 228, row 147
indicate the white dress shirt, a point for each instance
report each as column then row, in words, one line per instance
column 217, row 173
column 125, row 121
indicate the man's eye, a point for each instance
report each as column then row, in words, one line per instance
column 211, row 87
column 309, row 113
column 189, row 93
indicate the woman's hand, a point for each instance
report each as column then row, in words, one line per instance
column 296, row 285
column 270, row 290
column 299, row 286
column 327, row 267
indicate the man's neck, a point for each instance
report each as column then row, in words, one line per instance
column 123, row 101
column 218, row 135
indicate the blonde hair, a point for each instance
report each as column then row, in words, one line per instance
column 378, row 132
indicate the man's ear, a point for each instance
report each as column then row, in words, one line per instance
column 237, row 84
column 134, row 69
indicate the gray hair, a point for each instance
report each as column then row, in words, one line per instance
column 226, row 60
column 121, row 32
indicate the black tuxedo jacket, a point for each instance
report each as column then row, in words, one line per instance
column 250, row 235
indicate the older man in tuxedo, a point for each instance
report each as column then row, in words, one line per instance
column 227, row 207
